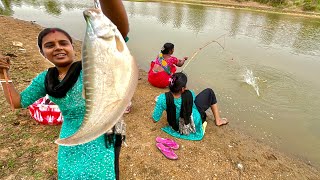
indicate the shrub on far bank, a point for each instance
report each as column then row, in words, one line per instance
column 310, row 5
column 306, row 5
column 275, row 3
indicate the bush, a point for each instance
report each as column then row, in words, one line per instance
column 309, row 5
column 273, row 2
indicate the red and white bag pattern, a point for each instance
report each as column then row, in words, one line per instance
column 46, row 112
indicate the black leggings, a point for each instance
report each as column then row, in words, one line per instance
column 204, row 100
column 117, row 148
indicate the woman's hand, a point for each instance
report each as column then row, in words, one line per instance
column 4, row 65
column 11, row 95
column 181, row 61
column 4, row 62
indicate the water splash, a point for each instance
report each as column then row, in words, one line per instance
column 250, row 79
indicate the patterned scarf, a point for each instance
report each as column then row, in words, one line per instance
column 164, row 63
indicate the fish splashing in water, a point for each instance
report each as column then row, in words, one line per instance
column 110, row 77
column 250, row 79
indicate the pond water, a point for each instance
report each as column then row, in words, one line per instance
column 262, row 66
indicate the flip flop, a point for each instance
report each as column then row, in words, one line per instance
column 166, row 151
column 168, row 142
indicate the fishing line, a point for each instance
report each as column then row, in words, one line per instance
column 208, row 43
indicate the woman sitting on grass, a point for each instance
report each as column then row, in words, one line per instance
column 185, row 111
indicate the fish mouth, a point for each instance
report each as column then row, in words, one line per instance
column 91, row 12
column 88, row 16
column 98, row 25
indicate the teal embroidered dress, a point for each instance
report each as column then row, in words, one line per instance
column 162, row 106
column 87, row 161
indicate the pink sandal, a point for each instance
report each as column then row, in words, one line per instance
column 166, row 151
column 168, row 142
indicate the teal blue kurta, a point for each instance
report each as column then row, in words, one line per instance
column 162, row 106
column 87, row 161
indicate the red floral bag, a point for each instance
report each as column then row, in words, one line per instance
column 46, row 112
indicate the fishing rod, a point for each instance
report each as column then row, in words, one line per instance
column 197, row 51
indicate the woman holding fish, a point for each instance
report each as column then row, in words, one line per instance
column 186, row 114
column 99, row 158
column 164, row 66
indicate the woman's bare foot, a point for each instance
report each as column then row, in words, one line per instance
column 221, row 121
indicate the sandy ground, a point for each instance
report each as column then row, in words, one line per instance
column 28, row 152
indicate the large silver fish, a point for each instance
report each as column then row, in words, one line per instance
column 110, row 77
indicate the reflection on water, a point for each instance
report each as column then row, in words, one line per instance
column 5, row 7
column 308, row 38
column 52, row 7
column 279, row 55
column 196, row 16
column 235, row 23
column 177, row 16
column 269, row 26
column 164, row 14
